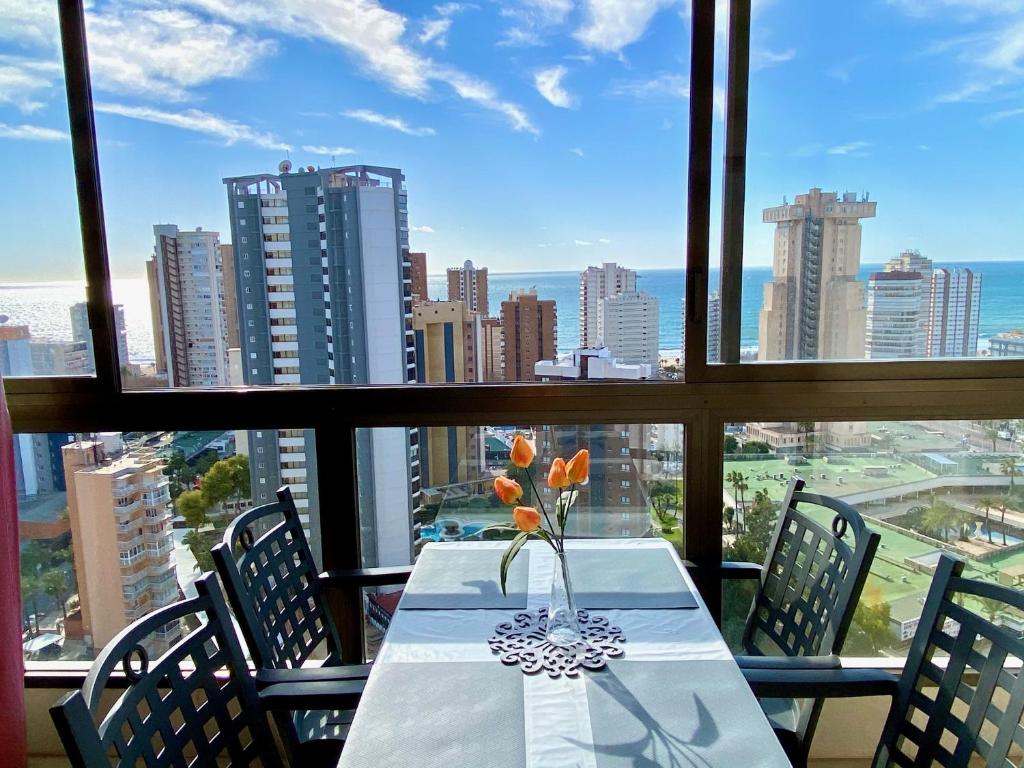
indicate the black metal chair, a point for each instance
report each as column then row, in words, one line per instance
column 278, row 595
column 194, row 705
column 941, row 713
column 810, row 583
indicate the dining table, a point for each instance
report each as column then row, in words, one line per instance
column 438, row 696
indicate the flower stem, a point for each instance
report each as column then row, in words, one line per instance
column 540, row 503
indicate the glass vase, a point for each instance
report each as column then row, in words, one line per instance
column 563, row 626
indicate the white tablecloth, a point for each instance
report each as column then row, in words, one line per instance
column 557, row 713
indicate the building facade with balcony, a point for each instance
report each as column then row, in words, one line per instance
column 122, row 545
column 324, row 285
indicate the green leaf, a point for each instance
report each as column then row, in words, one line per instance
column 510, row 555
column 563, row 505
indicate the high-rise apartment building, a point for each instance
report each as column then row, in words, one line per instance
column 627, row 323
column 598, row 283
column 324, row 296
column 60, row 358
column 714, row 327
column 468, row 284
column 955, row 313
column 227, row 262
column 896, row 320
column 530, row 333
column 814, row 306
column 449, row 339
column 492, row 348
column 80, row 332
column 418, row 276
column 186, row 293
column 120, row 515
column 613, row 503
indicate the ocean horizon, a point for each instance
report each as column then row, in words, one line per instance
column 44, row 306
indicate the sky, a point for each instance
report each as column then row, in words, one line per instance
column 534, row 134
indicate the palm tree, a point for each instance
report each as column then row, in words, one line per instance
column 739, row 484
column 991, row 607
column 988, row 503
column 938, row 518
column 55, row 584
column 992, row 434
column 807, row 428
column 1008, row 466
column 1005, row 503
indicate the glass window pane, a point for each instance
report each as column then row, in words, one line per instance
column 867, row 233
column 115, row 525
column 926, row 486
column 42, row 270
column 271, row 234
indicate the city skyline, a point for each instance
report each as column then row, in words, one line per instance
column 442, row 92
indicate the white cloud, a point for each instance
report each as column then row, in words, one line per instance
column 517, row 37
column 24, row 82
column 576, row 151
column 29, row 23
column 548, row 83
column 543, row 245
column 395, row 123
column 853, row 148
column 611, row 25
column 582, row 242
column 436, row 31
column 229, row 131
column 668, row 85
column 31, row 133
column 373, row 36
column 1004, row 115
column 762, row 58
column 971, row 8
column 320, row 149
column 552, row 11
column 424, row 228
column 163, row 53
column 604, row 241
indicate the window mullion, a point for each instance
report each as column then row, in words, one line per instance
column 90, row 199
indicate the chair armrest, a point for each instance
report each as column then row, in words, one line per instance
column 267, row 677
column 821, row 683
column 324, row 694
column 789, row 663
column 731, row 570
column 366, row 577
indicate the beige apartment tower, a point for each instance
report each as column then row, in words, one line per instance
column 530, row 334
column 813, row 308
column 448, row 340
column 597, row 283
column 120, row 516
column 469, row 285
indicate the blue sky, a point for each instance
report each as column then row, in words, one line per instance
column 534, row 134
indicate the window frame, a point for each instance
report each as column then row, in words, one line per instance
column 707, row 400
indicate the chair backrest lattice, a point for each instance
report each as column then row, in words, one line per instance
column 969, row 708
column 195, row 705
column 272, row 583
column 812, row 577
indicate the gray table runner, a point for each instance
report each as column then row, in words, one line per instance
column 675, row 713
column 444, row 580
column 627, row 578
column 439, row 715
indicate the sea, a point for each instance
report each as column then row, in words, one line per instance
column 44, row 307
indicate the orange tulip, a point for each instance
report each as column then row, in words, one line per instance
column 522, row 453
column 507, row 489
column 526, row 518
column 557, row 478
column 578, row 467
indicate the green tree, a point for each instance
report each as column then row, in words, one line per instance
column 988, row 503
column 1005, row 503
column 751, row 545
column 939, row 518
column 192, row 505
column 807, row 429
column 756, row 446
column 1008, row 466
column 869, row 631
column 738, row 481
column 55, row 583
column 731, row 444
column 179, row 473
column 200, row 547
column 991, row 608
column 728, row 515
column 522, row 476
column 226, row 479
